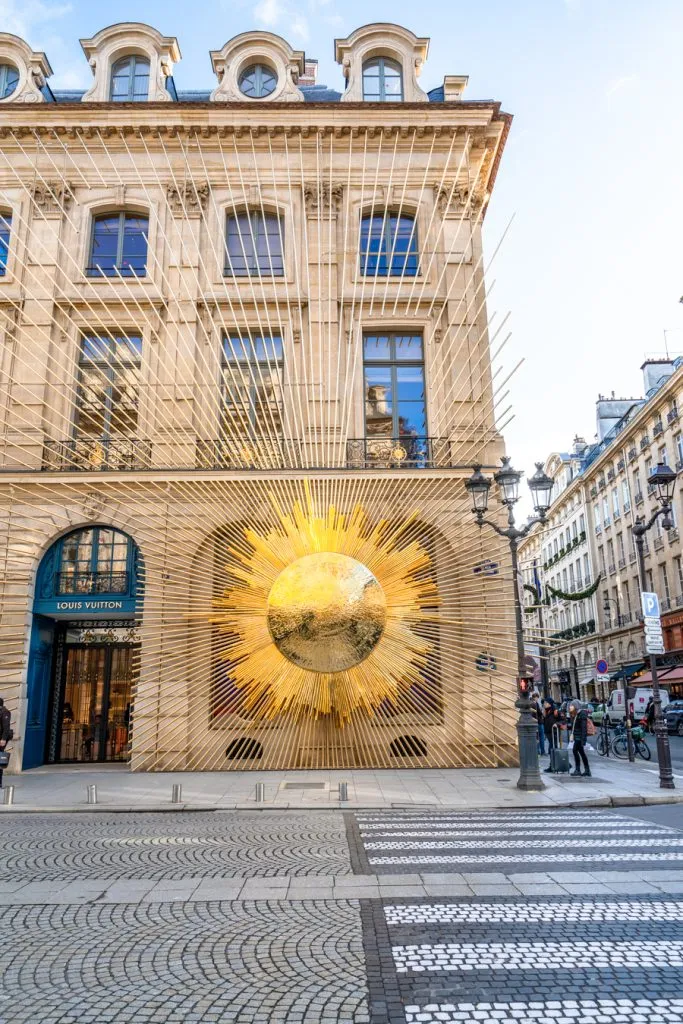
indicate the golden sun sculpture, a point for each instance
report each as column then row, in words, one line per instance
column 323, row 616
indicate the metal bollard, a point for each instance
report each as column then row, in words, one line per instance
column 8, row 795
column 92, row 794
column 343, row 791
column 177, row 793
column 260, row 792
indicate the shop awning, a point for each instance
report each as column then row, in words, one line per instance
column 627, row 672
column 671, row 674
column 587, row 680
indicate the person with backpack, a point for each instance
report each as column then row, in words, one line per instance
column 5, row 736
column 578, row 719
column 537, row 710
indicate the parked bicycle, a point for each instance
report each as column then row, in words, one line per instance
column 620, row 742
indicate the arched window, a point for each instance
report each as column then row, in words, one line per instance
column 9, row 79
column 388, row 245
column 258, row 81
column 130, row 80
column 253, row 245
column 382, row 80
column 119, row 246
column 5, row 229
column 97, row 560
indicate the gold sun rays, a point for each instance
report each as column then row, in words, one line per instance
column 324, row 612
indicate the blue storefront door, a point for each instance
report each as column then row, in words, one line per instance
column 39, row 686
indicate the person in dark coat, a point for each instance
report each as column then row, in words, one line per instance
column 578, row 718
column 549, row 720
column 5, row 730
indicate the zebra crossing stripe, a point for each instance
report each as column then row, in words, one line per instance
column 475, row 828
column 581, row 1011
column 542, row 858
column 513, row 913
column 512, row 844
column 488, row 837
column 525, row 956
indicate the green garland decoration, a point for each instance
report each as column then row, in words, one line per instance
column 578, row 595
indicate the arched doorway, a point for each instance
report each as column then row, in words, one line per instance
column 83, row 646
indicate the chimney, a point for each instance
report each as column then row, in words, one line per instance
column 310, row 75
column 655, row 371
column 579, row 446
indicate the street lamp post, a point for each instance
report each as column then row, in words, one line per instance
column 507, row 479
column 662, row 480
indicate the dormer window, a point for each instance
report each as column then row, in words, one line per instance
column 130, row 80
column 9, row 80
column 382, row 80
column 258, row 81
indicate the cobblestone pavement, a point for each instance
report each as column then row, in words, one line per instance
column 300, row 918
column 200, row 845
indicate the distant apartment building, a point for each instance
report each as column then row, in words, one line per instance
column 585, row 557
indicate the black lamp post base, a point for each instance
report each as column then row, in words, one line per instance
column 666, row 778
column 527, row 739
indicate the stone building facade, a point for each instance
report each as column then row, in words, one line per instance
column 600, row 490
column 243, row 328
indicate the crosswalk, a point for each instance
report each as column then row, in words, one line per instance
column 514, row 840
column 560, row 959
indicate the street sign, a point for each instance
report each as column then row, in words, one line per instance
column 601, row 678
column 650, row 603
column 601, row 667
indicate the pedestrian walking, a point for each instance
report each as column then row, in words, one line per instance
column 538, row 711
column 549, row 720
column 578, row 718
column 5, row 737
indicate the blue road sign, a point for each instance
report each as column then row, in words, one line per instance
column 601, row 667
column 650, row 604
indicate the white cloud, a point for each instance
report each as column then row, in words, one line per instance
column 22, row 16
column 275, row 14
column 619, row 85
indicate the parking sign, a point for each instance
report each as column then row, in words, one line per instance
column 650, row 604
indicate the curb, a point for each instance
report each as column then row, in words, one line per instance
column 636, row 800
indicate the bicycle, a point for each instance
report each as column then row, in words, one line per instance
column 619, row 744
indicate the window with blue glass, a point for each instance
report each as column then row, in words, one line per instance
column 130, row 80
column 97, row 560
column 394, row 386
column 388, row 245
column 9, row 80
column 253, row 245
column 5, row 230
column 252, row 385
column 382, row 80
column 119, row 246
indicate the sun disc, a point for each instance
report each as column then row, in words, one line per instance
column 326, row 612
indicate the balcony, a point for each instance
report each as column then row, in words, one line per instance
column 611, row 568
column 658, row 428
column 399, row 453
column 673, row 535
column 93, row 454
column 632, row 454
column 639, row 498
column 644, row 443
column 627, row 507
column 598, row 529
column 672, row 415
column 607, row 521
column 575, row 632
column 601, row 483
column 659, row 543
column 665, row 603
column 594, row 492
column 632, row 557
column 622, row 563
column 620, row 465
column 248, row 453
column 610, row 474
column 91, row 583
column 679, row 600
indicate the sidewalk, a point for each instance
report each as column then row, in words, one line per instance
column 63, row 788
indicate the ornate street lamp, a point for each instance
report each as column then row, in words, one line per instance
column 662, row 481
column 541, row 485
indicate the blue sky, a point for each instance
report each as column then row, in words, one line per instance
column 591, row 270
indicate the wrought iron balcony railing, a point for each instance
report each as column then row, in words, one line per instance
column 399, row 453
column 91, row 583
column 87, row 454
column 248, row 453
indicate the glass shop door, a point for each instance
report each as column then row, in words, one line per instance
column 95, row 715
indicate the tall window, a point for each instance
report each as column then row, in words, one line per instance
column 394, row 386
column 382, row 80
column 9, row 80
column 254, row 245
column 388, row 245
column 251, row 386
column 108, row 387
column 5, row 229
column 130, row 80
column 119, row 246
column 96, row 560
column 615, row 501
